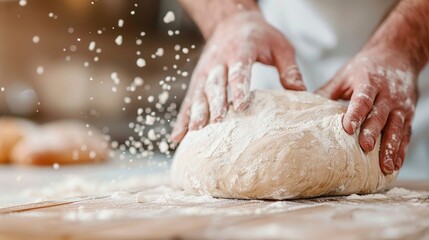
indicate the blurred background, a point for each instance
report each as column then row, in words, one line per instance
column 79, row 59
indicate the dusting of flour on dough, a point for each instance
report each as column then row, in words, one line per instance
column 287, row 144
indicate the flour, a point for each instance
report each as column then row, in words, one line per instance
column 404, row 193
column 369, row 196
column 118, row 40
column 169, row 17
column 153, row 200
column 216, row 93
column 166, row 195
column 22, row 3
column 239, row 75
column 73, row 186
column 121, row 194
column 392, row 193
column 100, row 215
column 198, row 113
column 121, row 23
column 140, row 62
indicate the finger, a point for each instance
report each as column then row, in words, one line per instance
column 290, row 75
column 291, row 78
column 183, row 119
column 239, row 80
column 199, row 110
column 361, row 103
column 346, row 93
column 403, row 147
column 392, row 137
column 215, row 90
column 181, row 127
column 373, row 124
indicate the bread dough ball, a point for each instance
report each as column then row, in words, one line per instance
column 12, row 130
column 286, row 145
column 63, row 142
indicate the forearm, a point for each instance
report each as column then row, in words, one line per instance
column 207, row 13
column 406, row 30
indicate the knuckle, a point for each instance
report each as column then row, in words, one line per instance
column 199, row 95
column 240, row 68
column 374, row 79
column 389, row 149
column 379, row 120
column 396, row 130
column 399, row 116
column 369, row 132
column 356, row 111
column 368, row 87
column 363, row 101
column 354, row 116
column 394, row 140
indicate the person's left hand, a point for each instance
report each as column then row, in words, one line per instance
column 381, row 85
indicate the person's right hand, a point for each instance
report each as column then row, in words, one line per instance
column 236, row 43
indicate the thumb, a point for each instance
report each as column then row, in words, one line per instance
column 333, row 89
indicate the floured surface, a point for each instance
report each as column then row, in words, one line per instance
column 286, row 145
column 154, row 209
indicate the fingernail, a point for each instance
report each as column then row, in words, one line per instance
column 388, row 166
column 349, row 125
column 220, row 115
column 398, row 163
column 294, row 79
column 300, row 86
column 371, row 143
column 353, row 124
column 174, row 136
column 240, row 104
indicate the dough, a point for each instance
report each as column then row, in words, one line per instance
column 286, row 145
column 63, row 142
column 12, row 130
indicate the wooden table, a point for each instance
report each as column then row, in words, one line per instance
column 159, row 212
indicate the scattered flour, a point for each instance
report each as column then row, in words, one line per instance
column 140, row 62
column 369, row 196
column 22, row 3
column 120, row 23
column 392, row 193
column 118, row 40
column 121, row 194
column 169, row 17
column 404, row 193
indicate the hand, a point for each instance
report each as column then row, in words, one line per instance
column 382, row 88
column 236, row 43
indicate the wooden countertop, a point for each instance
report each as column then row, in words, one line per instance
column 159, row 212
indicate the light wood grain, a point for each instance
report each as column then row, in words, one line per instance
column 164, row 213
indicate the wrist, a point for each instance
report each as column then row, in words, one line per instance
column 405, row 33
column 208, row 14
